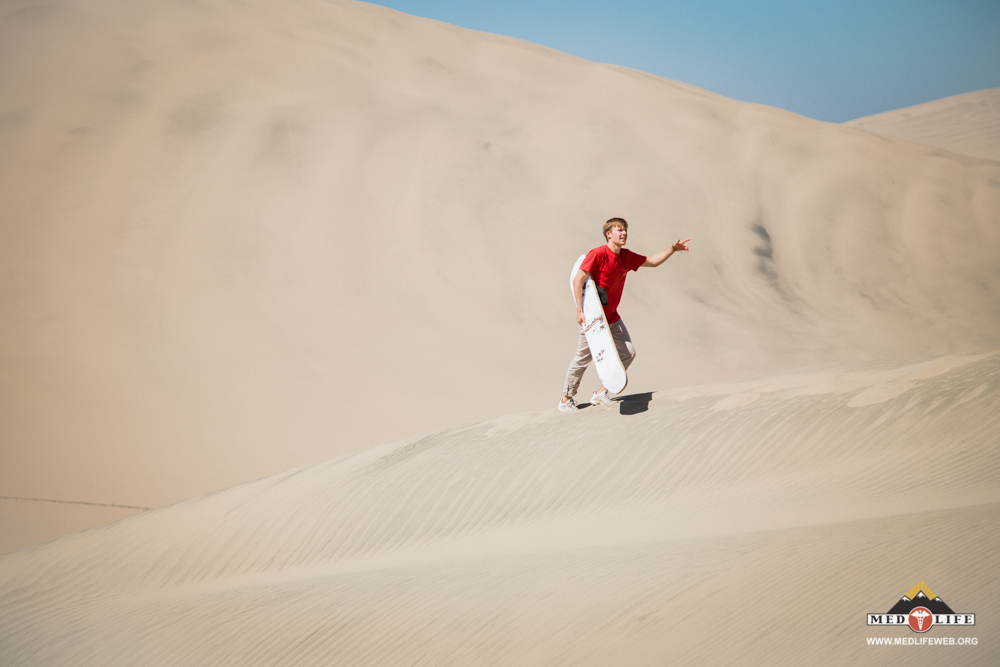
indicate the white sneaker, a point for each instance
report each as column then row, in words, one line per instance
column 568, row 405
column 600, row 398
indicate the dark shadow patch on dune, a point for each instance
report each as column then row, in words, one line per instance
column 766, row 266
column 765, row 253
column 633, row 404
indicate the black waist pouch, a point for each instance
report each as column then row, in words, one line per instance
column 603, row 294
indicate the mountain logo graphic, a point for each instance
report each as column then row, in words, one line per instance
column 921, row 609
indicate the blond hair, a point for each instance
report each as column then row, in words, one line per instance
column 611, row 224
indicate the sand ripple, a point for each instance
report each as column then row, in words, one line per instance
column 616, row 536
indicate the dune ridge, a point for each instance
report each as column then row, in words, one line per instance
column 545, row 538
column 24, row 522
column 968, row 123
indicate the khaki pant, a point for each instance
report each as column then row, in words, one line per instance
column 623, row 344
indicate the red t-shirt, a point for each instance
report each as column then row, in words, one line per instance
column 608, row 271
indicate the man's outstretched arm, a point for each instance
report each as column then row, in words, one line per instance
column 661, row 257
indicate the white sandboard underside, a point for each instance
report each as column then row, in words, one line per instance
column 602, row 344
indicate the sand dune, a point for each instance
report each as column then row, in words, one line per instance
column 750, row 522
column 968, row 123
column 242, row 237
column 238, row 238
column 30, row 521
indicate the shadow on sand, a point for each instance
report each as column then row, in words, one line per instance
column 633, row 404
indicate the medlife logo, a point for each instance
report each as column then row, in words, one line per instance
column 921, row 609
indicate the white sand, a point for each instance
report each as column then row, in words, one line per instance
column 756, row 522
column 968, row 123
column 239, row 238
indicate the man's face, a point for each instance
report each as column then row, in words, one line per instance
column 618, row 235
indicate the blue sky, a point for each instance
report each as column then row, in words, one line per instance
column 828, row 60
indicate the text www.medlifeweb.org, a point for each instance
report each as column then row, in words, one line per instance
column 922, row 641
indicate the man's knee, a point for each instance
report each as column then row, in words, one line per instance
column 629, row 356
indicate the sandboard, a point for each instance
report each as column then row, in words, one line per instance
column 602, row 345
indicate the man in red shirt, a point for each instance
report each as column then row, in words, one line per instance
column 608, row 265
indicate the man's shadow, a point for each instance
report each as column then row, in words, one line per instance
column 633, row 404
